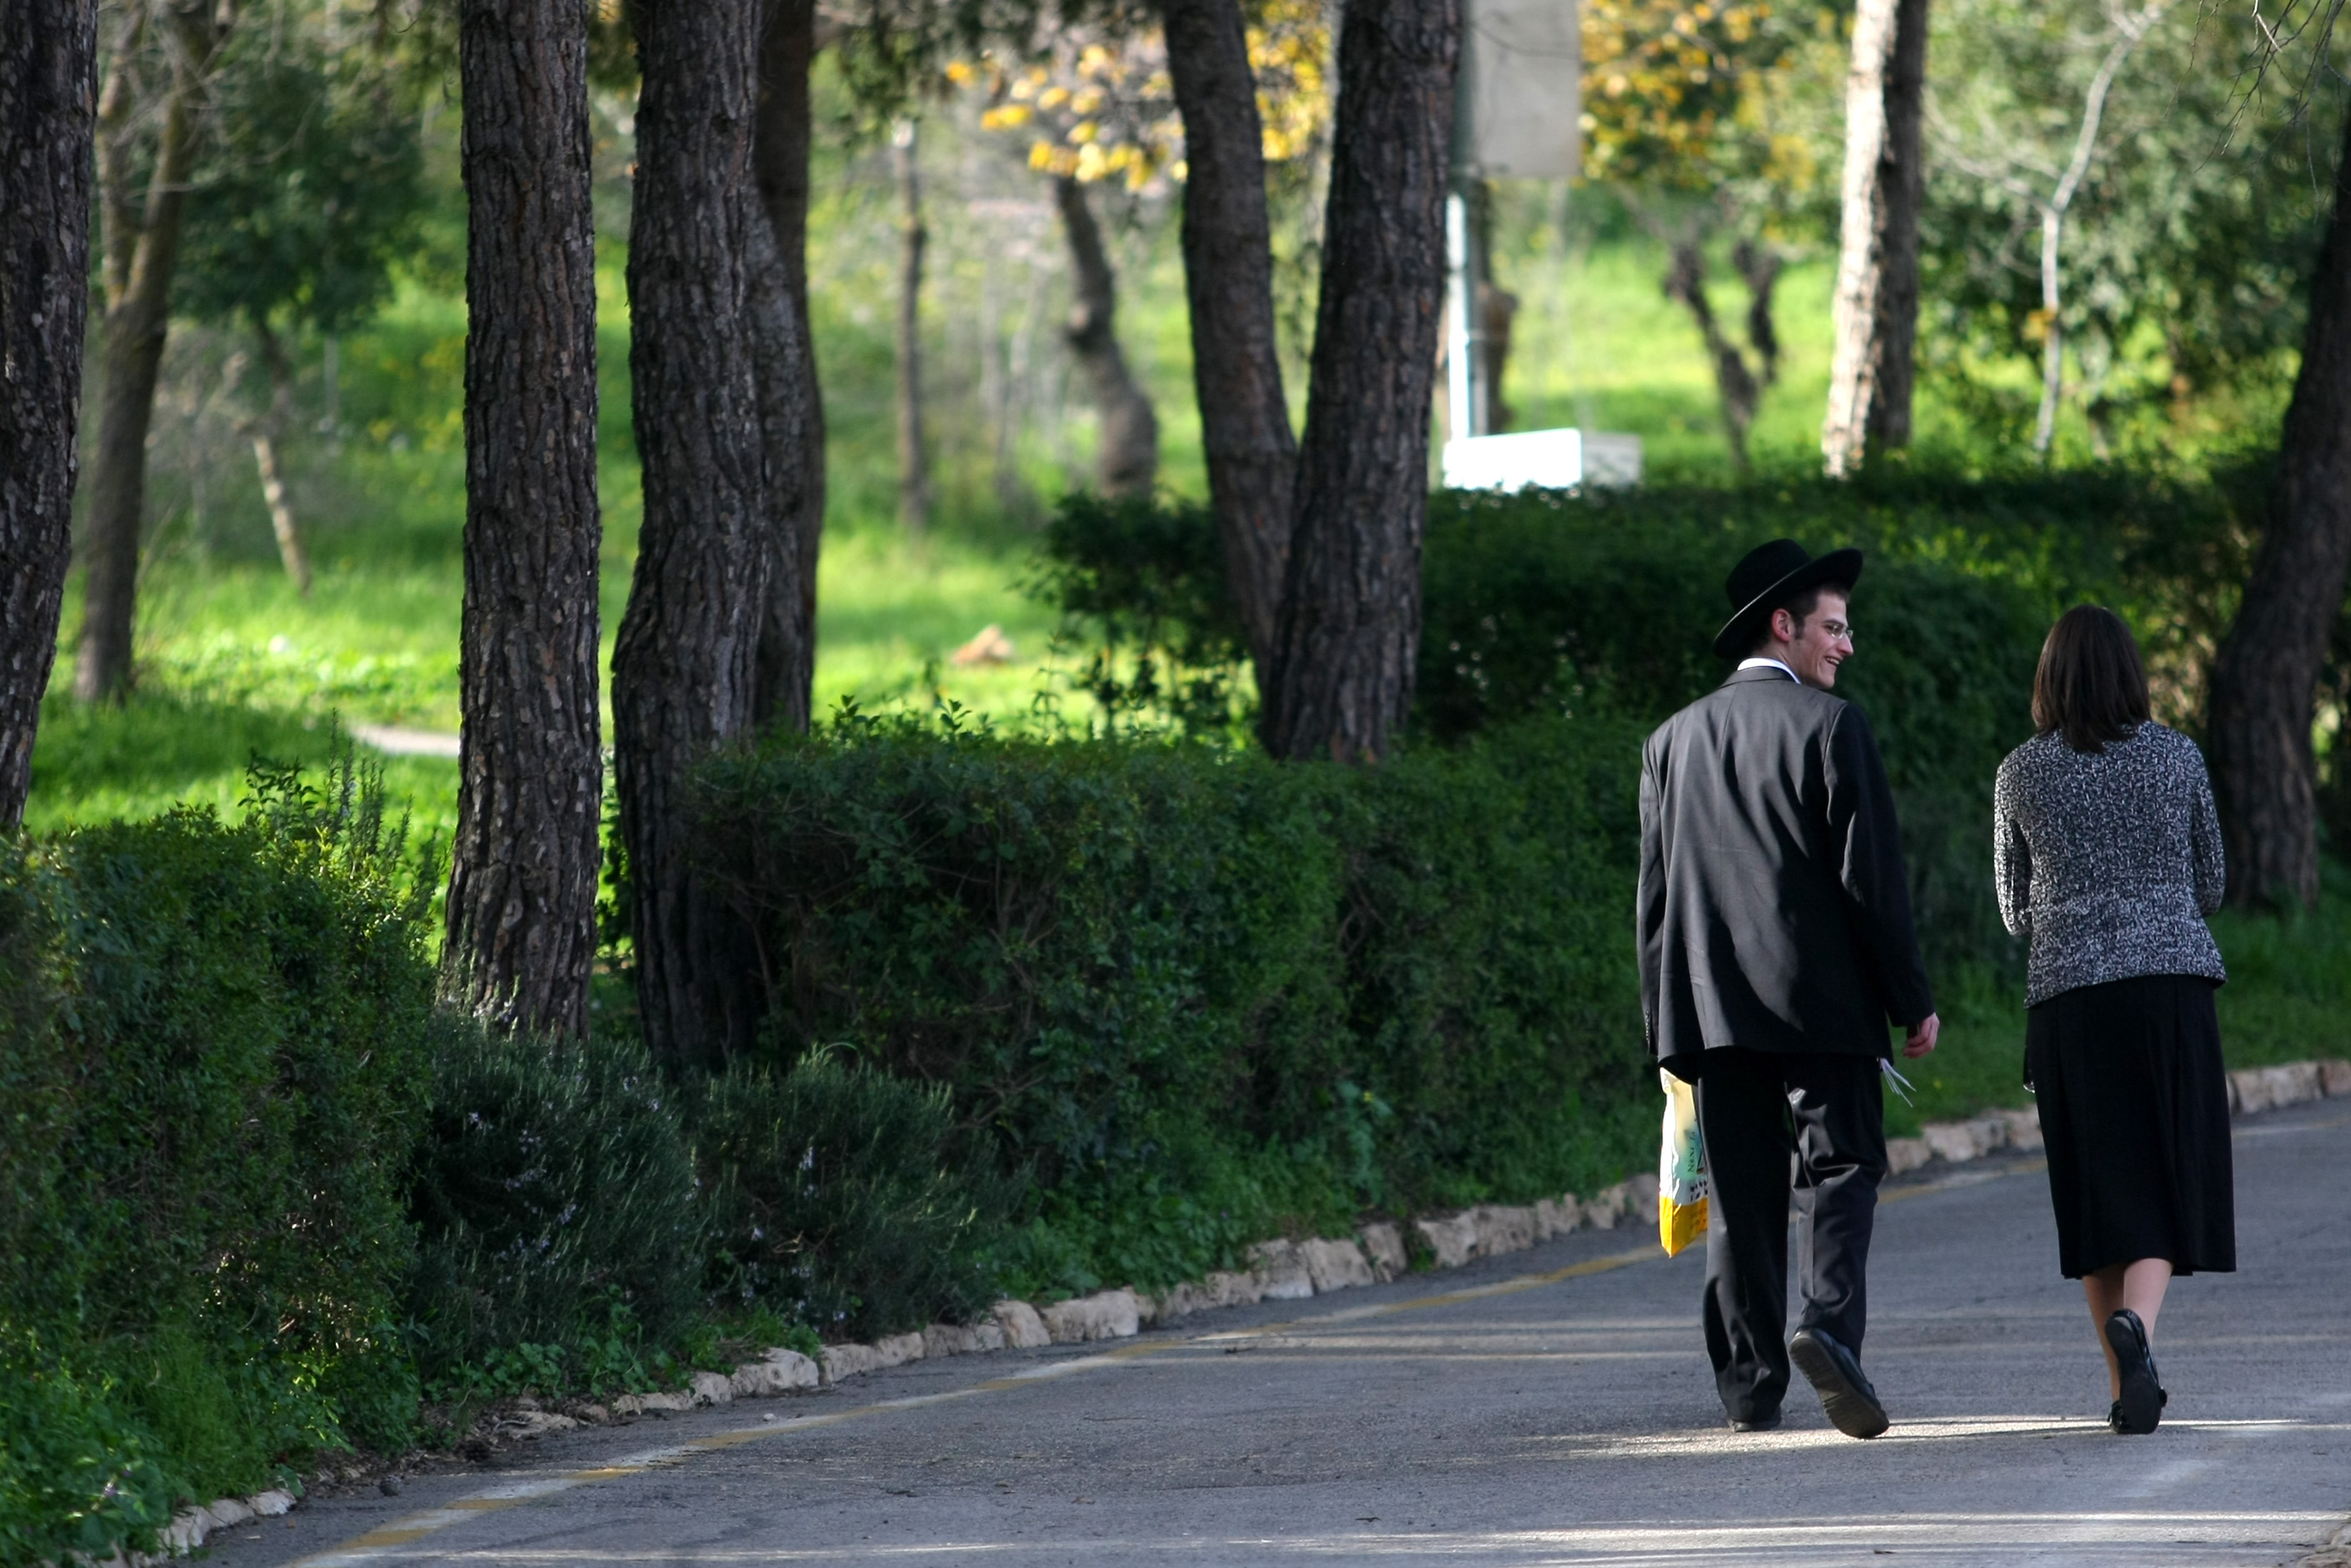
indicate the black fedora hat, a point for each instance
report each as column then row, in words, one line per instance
column 1767, row 576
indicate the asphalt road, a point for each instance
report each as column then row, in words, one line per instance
column 1554, row 1406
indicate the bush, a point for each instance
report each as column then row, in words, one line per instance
column 214, row 1055
column 1141, row 586
column 76, row 1478
column 1609, row 601
column 1155, row 972
column 840, row 1198
column 1604, row 606
column 554, row 1198
column 1538, row 604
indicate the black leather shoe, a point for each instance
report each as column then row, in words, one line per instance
column 1835, row 1373
column 2140, row 1408
column 1761, row 1421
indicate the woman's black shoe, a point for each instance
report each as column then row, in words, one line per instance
column 2143, row 1398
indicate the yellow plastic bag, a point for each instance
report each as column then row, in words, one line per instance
column 1681, row 1169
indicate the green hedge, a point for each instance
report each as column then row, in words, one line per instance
column 214, row 1059
column 556, row 1205
column 1198, row 993
column 1604, row 606
column 845, row 1199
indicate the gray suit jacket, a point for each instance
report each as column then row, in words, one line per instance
column 1773, row 912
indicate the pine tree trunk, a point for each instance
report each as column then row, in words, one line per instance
column 522, row 886
column 1349, row 627
column 1127, row 457
column 914, row 451
column 143, row 250
column 1875, row 311
column 780, row 155
column 685, row 672
column 2264, row 682
column 1252, row 455
column 267, row 432
column 49, row 87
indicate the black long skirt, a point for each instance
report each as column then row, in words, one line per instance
column 2134, row 1110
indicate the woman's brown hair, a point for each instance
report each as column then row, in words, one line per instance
column 2091, row 687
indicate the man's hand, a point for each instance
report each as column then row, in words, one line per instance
column 1922, row 1036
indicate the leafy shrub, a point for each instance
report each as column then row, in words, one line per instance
column 1611, row 599
column 842, row 1199
column 213, row 1061
column 556, row 1203
column 1139, row 965
column 1604, row 605
column 1141, row 586
column 76, row 1478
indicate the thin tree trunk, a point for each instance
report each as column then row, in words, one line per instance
column 779, row 157
column 1875, row 311
column 1252, row 455
column 2128, row 31
column 1350, row 629
column 1758, row 267
column 267, row 432
column 1498, row 312
column 522, row 887
column 1735, row 385
column 685, row 672
column 2264, row 682
column 143, row 253
column 48, row 72
column 1126, row 460
column 995, row 384
column 913, row 456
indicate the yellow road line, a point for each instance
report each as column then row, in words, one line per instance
column 386, row 1540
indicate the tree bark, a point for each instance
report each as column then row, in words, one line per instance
column 1252, row 455
column 1126, row 461
column 1349, row 627
column 779, row 157
column 685, row 672
column 49, row 89
column 267, row 432
column 914, row 453
column 522, row 886
column 1875, row 311
column 142, row 250
column 2265, row 681
column 1735, row 385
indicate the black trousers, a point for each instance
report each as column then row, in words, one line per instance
column 1754, row 1108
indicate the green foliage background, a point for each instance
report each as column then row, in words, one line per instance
column 215, row 1050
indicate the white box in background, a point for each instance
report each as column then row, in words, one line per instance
column 1550, row 459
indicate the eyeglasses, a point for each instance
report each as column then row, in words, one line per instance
column 1838, row 632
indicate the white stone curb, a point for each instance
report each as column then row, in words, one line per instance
column 2250, row 1090
column 1284, row 1270
column 2336, row 1550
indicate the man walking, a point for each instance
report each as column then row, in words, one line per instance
column 1776, row 945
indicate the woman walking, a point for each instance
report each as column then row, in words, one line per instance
column 2108, row 854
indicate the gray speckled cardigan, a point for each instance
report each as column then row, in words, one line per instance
column 2108, row 863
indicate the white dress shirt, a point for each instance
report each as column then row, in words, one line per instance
column 1775, row 663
